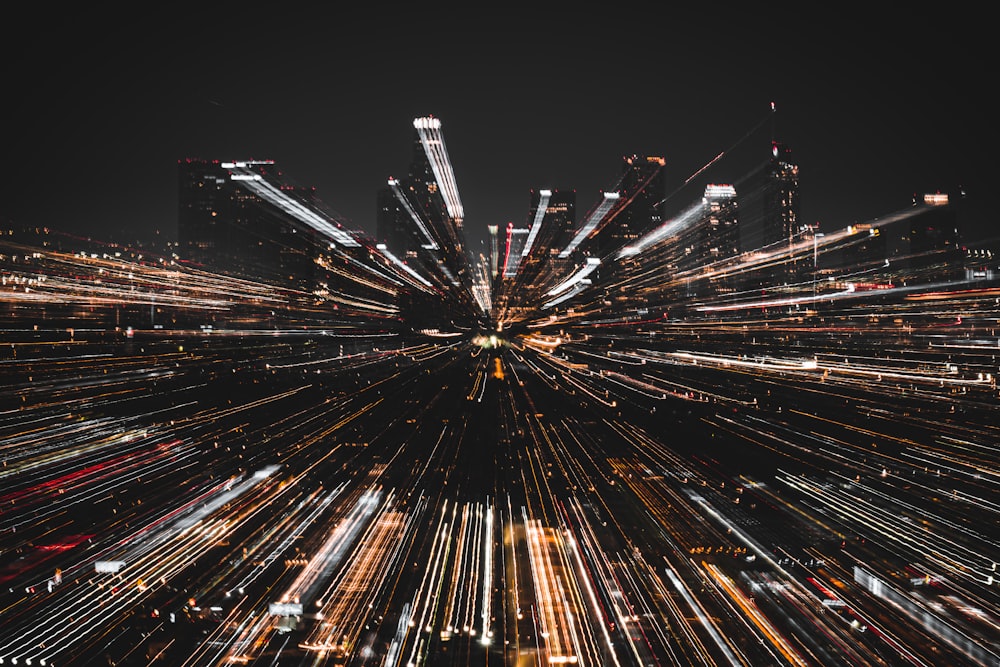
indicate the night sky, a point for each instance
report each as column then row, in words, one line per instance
column 98, row 107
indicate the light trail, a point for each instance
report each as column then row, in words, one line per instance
column 649, row 445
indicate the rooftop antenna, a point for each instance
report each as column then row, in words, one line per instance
column 773, row 111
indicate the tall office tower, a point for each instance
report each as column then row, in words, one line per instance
column 517, row 238
column 428, row 203
column 641, row 189
column 482, row 284
column 718, row 234
column 240, row 217
column 248, row 220
column 393, row 225
column 423, row 190
column 435, row 188
column 494, row 249
column 551, row 218
column 768, row 199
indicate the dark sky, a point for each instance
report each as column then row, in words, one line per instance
column 99, row 107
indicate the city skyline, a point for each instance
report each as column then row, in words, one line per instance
column 873, row 120
column 725, row 393
column 297, row 450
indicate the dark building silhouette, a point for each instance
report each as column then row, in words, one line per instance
column 551, row 218
column 421, row 217
column 913, row 246
column 531, row 253
column 768, row 200
column 248, row 219
column 393, row 225
column 420, row 220
column 927, row 245
column 641, row 189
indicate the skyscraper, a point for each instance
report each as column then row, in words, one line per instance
column 718, row 234
column 594, row 222
column 768, row 200
column 641, row 189
column 247, row 218
column 432, row 184
column 393, row 225
column 517, row 238
column 425, row 221
column 551, row 217
column 421, row 220
column 552, row 214
column 494, row 250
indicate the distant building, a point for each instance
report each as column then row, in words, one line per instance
column 864, row 251
column 641, row 189
column 420, row 220
column 248, row 219
column 412, row 211
column 918, row 245
column 595, row 220
column 768, row 200
column 517, row 238
column 482, row 289
column 494, row 250
column 551, row 218
column 926, row 245
column 393, row 225
column 717, row 237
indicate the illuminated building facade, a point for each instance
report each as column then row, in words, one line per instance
column 494, row 250
column 718, row 235
column 517, row 239
column 434, row 193
column 720, row 238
